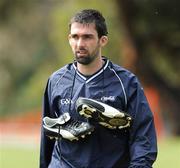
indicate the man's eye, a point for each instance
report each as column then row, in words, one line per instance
column 74, row 36
column 87, row 36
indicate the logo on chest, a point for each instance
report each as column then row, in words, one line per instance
column 66, row 101
column 108, row 98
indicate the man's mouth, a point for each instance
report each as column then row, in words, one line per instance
column 81, row 52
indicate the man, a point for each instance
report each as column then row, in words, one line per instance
column 91, row 84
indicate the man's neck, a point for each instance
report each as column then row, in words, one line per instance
column 92, row 68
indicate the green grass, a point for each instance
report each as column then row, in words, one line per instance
column 168, row 153
column 20, row 157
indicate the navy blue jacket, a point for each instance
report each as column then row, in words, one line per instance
column 104, row 148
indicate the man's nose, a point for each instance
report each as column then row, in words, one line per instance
column 80, row 42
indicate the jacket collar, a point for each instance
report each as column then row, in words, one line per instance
column 88, row 79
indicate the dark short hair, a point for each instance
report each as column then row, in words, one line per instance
column 87, row 16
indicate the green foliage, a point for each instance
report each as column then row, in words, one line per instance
column 34, row 43
column 156, row 29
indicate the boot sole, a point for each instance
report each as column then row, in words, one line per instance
column 86, row 108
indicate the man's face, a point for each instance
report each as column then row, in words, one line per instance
column 84, row 41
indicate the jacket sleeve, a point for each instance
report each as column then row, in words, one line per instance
column 46, row 145
column 143, row 142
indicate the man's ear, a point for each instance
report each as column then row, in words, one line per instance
column 103, row 40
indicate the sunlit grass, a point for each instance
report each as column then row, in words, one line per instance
column 19, row 157
column 169, row 153
column 28, row 157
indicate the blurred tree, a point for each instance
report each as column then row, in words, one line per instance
column 151, row 49
column 144, row 37
column 34, row 43
column 24, row 48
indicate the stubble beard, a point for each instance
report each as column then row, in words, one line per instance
column 88, row 58
column 85, row 60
